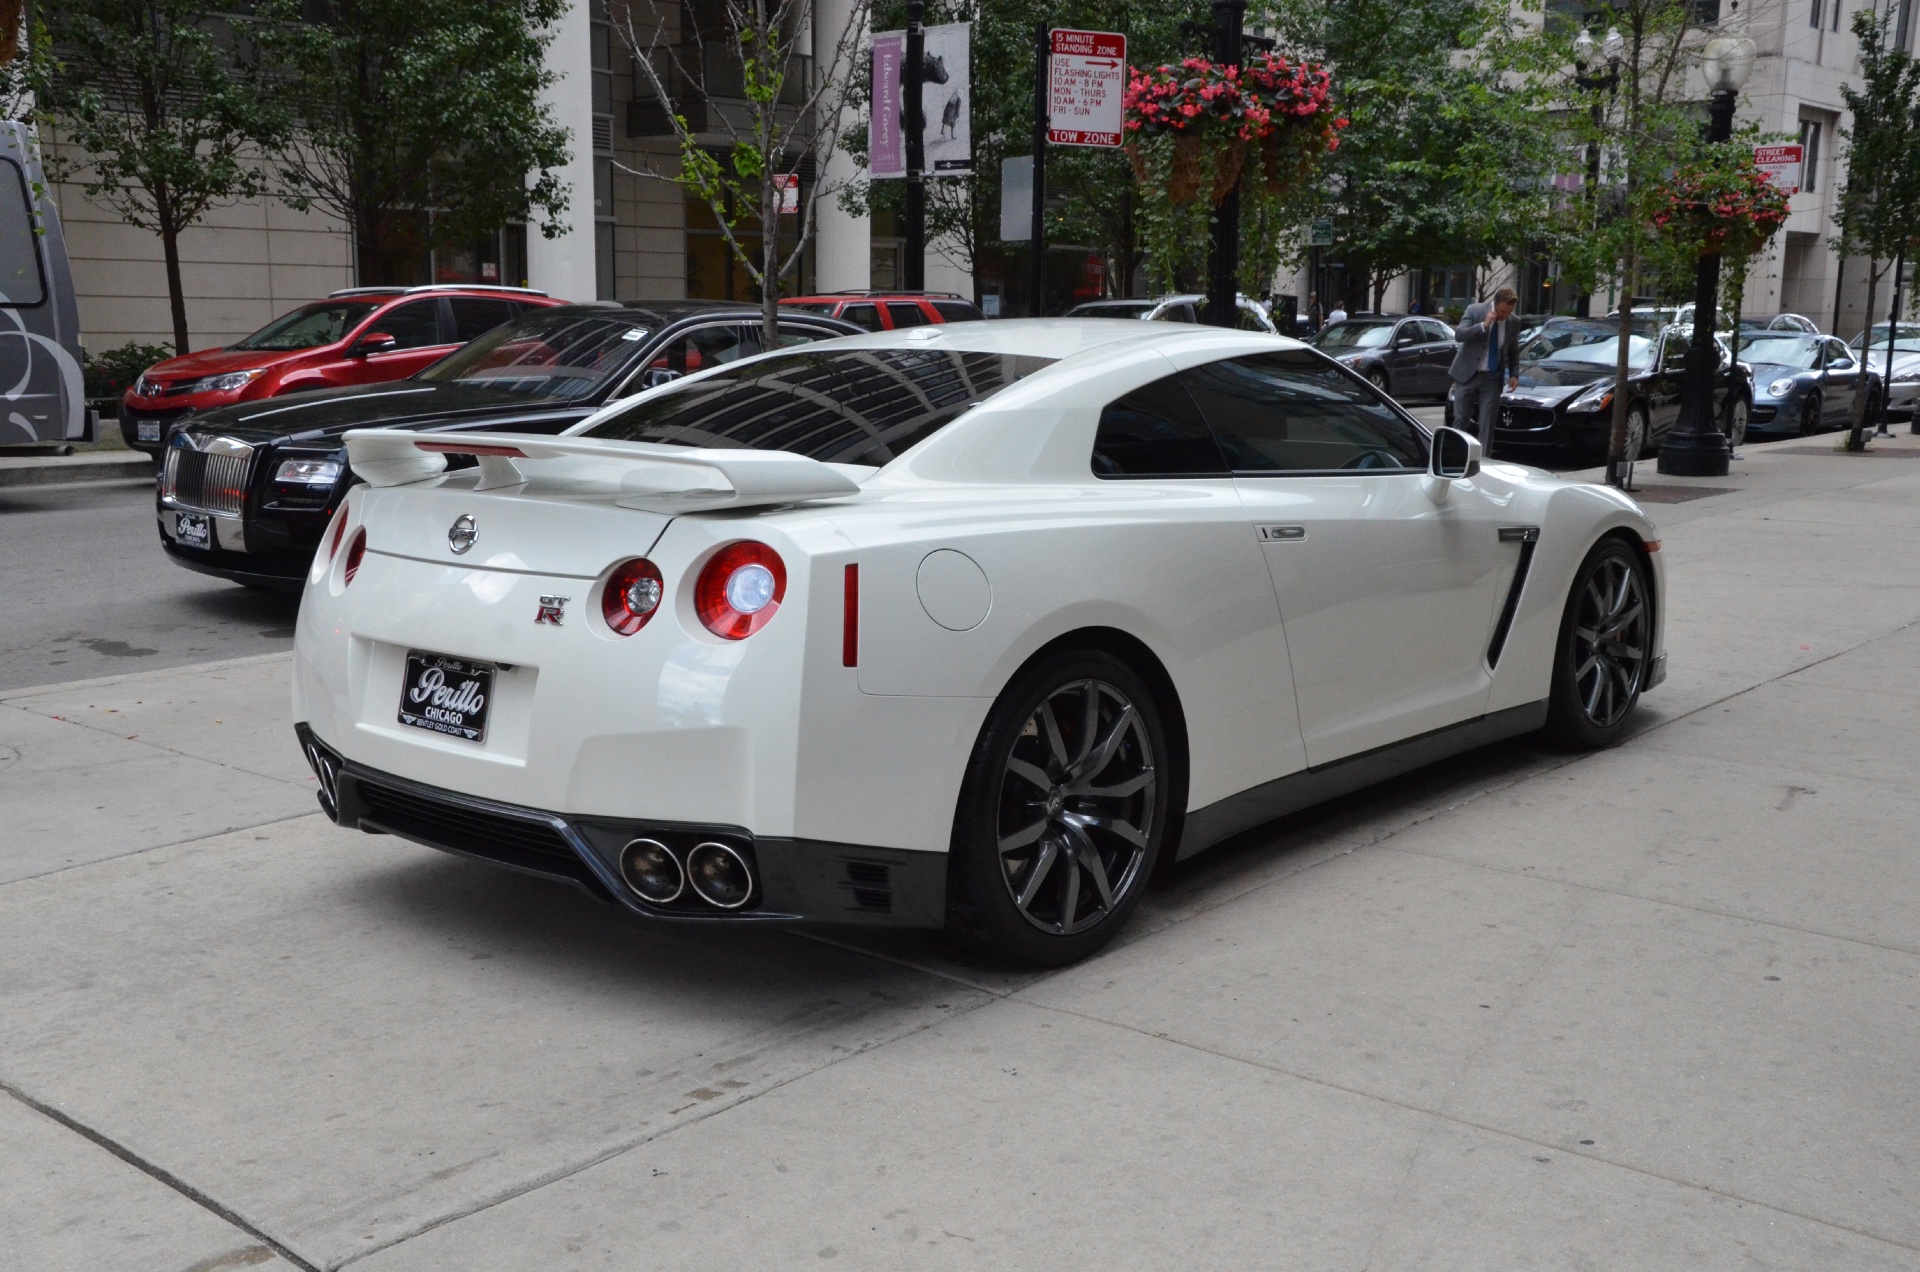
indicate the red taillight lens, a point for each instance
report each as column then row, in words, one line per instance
column 339, row 532
column 850, row 620
column 633, row 593
column 355, row 551
column 740, row 590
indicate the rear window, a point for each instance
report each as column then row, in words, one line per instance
column 862, row 316
column 848, row 406
column 904, row 313
column 957, row 311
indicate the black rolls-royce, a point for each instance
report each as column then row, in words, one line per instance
column 245, row 492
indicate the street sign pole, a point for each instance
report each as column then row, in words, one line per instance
column 1037, row 240
column 914, row 267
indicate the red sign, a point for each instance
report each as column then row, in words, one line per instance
column 1086, row 78
column 1781, row 164
column 788, row 183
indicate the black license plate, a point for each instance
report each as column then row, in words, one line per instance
column 193, row 530
column 446, row 695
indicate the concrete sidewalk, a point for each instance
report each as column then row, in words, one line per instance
column 100, row 465
column 1656, row 1008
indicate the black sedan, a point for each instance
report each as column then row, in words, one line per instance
column 245, row 492
column 1565, row 399
column 1405, row 357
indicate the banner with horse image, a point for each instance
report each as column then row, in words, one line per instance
column 946, row 92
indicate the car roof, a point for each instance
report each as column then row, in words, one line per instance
column 1057, row 339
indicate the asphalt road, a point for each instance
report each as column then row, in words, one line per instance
column 87, row 591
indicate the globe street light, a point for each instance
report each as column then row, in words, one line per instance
column 1696, row 447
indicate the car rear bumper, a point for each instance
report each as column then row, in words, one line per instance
column 795, row 880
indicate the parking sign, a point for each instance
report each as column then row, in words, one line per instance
column 1087, row 74
column 1781, row 164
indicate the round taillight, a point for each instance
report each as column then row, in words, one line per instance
column 633, row 593
column 740, row 589
column 356, row 551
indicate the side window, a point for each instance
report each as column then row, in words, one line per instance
column 1246, row 320
column 957, row 311
column 787, row 335
column 1673, row 351
column 475, row 315
column 1177, row 313
column 21, row 283
column 904, row 313
column 699, row 350
column 1296, row 412
column 414, row 325
column 1838, row 357
column 1155, row 431
column 1435, row 333
column 862, row 316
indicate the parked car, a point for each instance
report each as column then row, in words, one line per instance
column 360, row 335
column 1903, row 391
column 1803, row 384
column 889, row 310
column 961, row 626
column 246, row 491
column 1565, row 399
column 1185, row 307
column 41, row 376
column 1776, row 322
column 1403, row 357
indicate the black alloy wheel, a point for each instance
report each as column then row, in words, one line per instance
column 1062, row 814
column 1810, row 415
column 1605, row 648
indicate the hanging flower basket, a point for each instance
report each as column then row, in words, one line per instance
column 1194, row 130
column 1730, row 209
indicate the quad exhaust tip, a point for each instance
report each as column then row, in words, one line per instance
column 720, row 875
column 652, row 871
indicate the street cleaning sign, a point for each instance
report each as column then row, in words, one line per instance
column 1087, row 75
column 1781, row 164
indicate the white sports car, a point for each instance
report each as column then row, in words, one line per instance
column 964, row 625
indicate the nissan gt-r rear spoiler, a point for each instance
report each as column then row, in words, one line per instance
column 642, row 475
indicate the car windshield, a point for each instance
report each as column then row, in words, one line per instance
column 1907, row 336
column 556, row 353
column 845, row 406
column 1112, row 309
column 1799, row 352
column 1355, row 335
column 1584, row 344
column 308, row 327
column 812, row 306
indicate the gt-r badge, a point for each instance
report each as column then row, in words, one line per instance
column 461, row 535
column 552, row 610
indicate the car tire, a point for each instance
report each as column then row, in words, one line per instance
column 1043, row 871
column 1738, row 412
column 1810, row 415
column 1377, row 377
column 1636, row 433
column 1603, row 651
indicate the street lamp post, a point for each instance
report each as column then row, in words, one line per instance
column 1697, row 447
column 1613, row 47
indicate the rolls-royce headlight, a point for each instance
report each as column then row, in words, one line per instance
column 309, row 472
column 1780, row 388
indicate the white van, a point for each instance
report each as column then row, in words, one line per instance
column 42, row 391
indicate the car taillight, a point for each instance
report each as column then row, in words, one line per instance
column 339, row 532
column 632, row 595
column 740, row 589
column 355, row 551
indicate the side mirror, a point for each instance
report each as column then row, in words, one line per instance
column 657, row 376
column 1454, row 455
column 374, row 342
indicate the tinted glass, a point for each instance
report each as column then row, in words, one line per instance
column 557, row 353
column 1800, row 352
column 1248, row 320
column 1182, row 312
column 1838, row 355
column 1155, row 431
column 1355, row 335
column 1436, row 333
column 851, row 406
column 707, row 347
column 957, row 311
column 813, row 306
column 1584, row 344
column 1111, row 309
column 1295, row 412
column 20, row 281
column 308, row 327
column 862, row 316
column 414, row 325
column 906, row 314
column 476, row 316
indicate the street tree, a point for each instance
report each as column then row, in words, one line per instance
column 420, row 122
column 752, row 114
column 1878, row 209
column 162, row 112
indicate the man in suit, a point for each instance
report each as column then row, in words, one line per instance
column 1487, row 360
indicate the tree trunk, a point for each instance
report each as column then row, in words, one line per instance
column 1856, row 435
column 1617, row 441
column 176, row 294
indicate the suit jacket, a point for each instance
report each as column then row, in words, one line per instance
column 1472, row 354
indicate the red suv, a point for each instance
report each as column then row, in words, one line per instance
column 889, row 310
column 362, row 335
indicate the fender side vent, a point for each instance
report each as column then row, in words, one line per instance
column 871, row 885
column 1507, row 611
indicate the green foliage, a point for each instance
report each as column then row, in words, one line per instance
column 167, row 104
column 110, row 374
column 410, row 105
column 27, row 78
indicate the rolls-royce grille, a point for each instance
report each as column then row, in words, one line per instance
column 211, row 482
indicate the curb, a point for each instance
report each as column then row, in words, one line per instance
column 55, row 469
